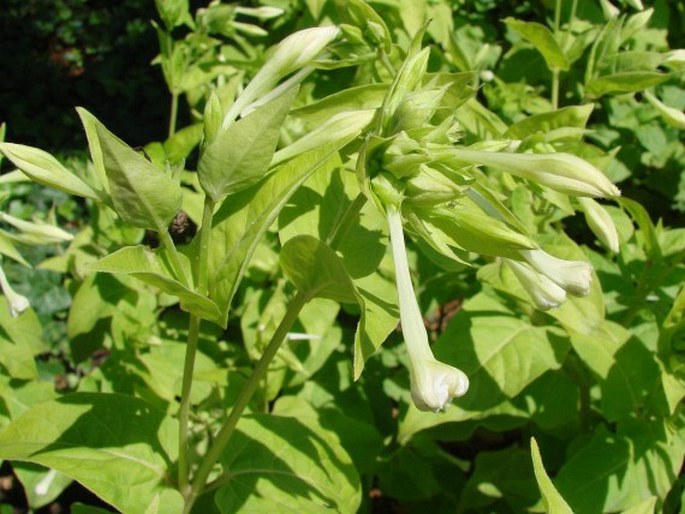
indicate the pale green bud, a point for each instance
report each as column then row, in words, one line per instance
column 673, row 117
column 675, row 58
column 433, row 383
column 213, row 115
column 388, row 190
column 17, row 303
column 40, row 233
column 343, row 126
column 545, row 293
column 249, row 29
column 574, row 277
column 600, row 222
column 609, row 10
column 562, row 172
column 43, row 168
column 293, row 53
column 261, row 13
column 430, row 187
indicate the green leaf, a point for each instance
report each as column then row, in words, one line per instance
column 543, row 40
column 282, row 465
column 244, row 217
column 316, row 270
column 626, row 82
column 615, row 471
column 359, row 98
column 41, row 485
column 151, row 268
column 143, row 195
column 628, row 370
column 572, row 116
column 21, row 338
column 553, row 501
column 119, row 447
column 500, row 353
column 379, row 317
column 43, row 168
column 179, row 146
column 240, row 156
column 504, row 474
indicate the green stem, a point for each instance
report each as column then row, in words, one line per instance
column 184, row 408
column 191, row 349
column 174, row 114
column 175, row 260
column 205, row 238
column 555, row 71
column 243, row 399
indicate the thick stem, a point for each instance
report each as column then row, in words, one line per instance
column 555, row 89
column 184, row 408
column 243, row 399
column 191, row 349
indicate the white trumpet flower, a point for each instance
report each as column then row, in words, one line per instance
column 574, row 277
column 545, row 293
column 17, row 303
column 433, row 383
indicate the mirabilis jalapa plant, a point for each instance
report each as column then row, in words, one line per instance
column 411, row 165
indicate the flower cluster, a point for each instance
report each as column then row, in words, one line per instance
column 418, row 173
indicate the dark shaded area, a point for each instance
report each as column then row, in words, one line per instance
column 93, row 53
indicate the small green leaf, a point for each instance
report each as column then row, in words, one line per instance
column 119, row 447
column 572, row 116
column 282, row 465
column 148, row 266
column 625, row 82
column 553, row 501
column 543, row 40
column 43, row 168
column 240, row 156
column 143, row 195
column 316, row 270
column 244, row 218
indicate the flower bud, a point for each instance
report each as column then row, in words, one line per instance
column 672, row 116
column 294, row 52
column 545, row 293
column 37, row 233
column 562, row 172
column 433, row 383
column 574, row 277
column 600, row 222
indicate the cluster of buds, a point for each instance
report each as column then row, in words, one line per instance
column 419, row 176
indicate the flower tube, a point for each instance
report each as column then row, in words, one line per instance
column 433, row 383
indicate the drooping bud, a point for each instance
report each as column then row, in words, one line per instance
column 17, row 303
column 574, row 277
column 545, row 293
column 433, row 383
column 600, row 222
column 562, row 172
